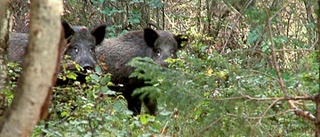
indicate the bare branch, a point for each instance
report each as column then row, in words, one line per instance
column 259, row 117
column 264, row 113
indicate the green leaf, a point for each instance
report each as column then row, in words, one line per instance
column 104, row 89
column 110, row 92
column 253, row 36
column 98, row 69
column 64, row 114
column 144, row 119
column 78, row 67
column 165, row 113
column 265, row 48
column 95, row 77
column 72, row 75
column 105, row 80
column 136, row 20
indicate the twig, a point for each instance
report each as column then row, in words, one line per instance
column 265, row 112
column 164, row 129
column 256, row 71
column 259, row 117
column 91, row 127
column 243, row 96
column 65, row 118
column 280, row 98
column 282, row 50
column 213, row 122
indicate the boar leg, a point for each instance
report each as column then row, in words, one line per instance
column 134, row 103
column 151, row 104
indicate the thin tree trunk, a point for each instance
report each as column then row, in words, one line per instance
column 207, row 26
column 317, row 121
column 39, row 68
column 309, row 20
column 317, row 97
column 199, row 16
column 317, row 47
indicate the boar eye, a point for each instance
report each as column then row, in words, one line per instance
column 173, row 54
column 91, row 49
column 75, row 49
column 158, row 51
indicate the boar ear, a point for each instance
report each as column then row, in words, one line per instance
column 180, row 39
column 150, row 36
column 99, row 33
column 68, row 31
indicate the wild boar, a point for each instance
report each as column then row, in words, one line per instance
column 117, row 52
column 81, row 45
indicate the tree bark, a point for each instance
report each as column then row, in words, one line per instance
column 317, row 47
column 39, row 68
column 317, row 97
column 317, row 121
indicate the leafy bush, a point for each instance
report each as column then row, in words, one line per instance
column 199, row 97
column 213, row 97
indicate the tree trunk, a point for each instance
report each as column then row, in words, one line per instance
column 317, row 47
column 317, row 97
column 38, row 69
column 317, row 121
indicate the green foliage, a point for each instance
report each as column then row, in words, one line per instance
column 128, row 14
column 14, row 71
column 214, row 97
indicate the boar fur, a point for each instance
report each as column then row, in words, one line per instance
column 117, row 52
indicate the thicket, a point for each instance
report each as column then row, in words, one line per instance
column 243, row 63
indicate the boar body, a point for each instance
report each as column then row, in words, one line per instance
column 81, row 46
column 117, row 52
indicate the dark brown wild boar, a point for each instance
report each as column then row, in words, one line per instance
column 117, row 52
column 81, row 45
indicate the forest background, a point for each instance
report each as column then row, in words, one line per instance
column 250, row 68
